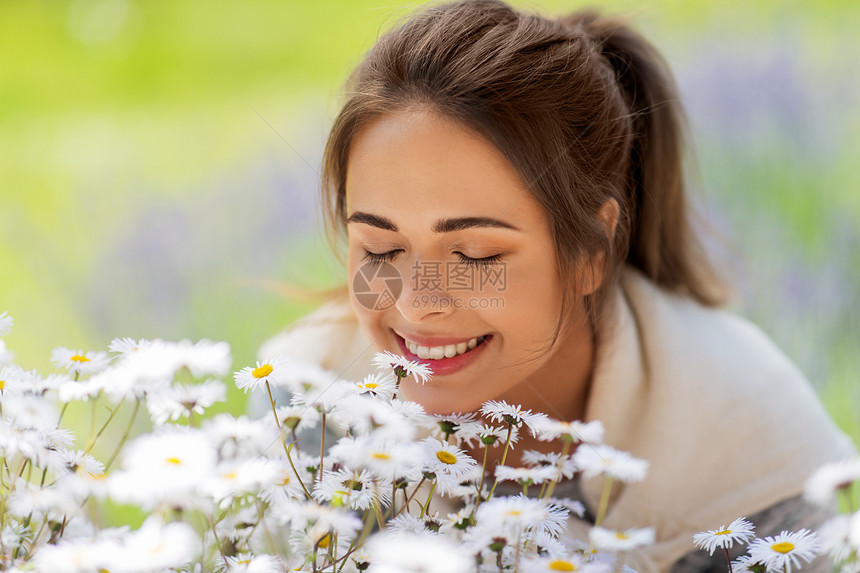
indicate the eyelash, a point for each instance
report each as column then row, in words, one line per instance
column 379, row 258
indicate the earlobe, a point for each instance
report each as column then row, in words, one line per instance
column 608, row 215
column 591, row 274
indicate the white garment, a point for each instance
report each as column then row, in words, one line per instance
column 727, row 423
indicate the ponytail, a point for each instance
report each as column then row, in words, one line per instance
column 659, row 241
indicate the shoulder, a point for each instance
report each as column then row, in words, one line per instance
column 729, row 425
column 671, row 324
column 329, row 336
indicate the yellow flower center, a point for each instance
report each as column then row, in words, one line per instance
column 446, row 457
column 231, row 475
column 371, row 386
column 2, row 384
column 724, row 532
column 559, row 565
column 262, row 371
column 243, row 562
column 783, row 547
column 324, row 541
column 621, row 535
column 380, row 456
column 284, row 480
column 175, row 461
column 79, row 358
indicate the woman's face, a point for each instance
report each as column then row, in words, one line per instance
column 475, row 255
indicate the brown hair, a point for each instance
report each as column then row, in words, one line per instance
column 584, row 108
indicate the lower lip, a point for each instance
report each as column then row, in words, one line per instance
column 445, row 366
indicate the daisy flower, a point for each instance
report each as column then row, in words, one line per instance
column 336, row 393
column 29, row 411
column 272, row 372
column 786, row 550
column 831, row 477
column 407, row 524
column 80, row 462
column 576, row 431
column 6, row 323
column 486, row 435
column 180, row 400
column 402, row 367
column 446, row 459
column 248, row 563
column 835, row 536
column 573, row 506
column 237, row 477
column 606, row 460
column 364, row 415
column 378, row 384
column 563, row 465
column 164, row 467
column 463, row 486
column 77, row 555
column 59, row 498
column 414, row 553
column 526, row 476
column 501, row 411
column 127, row 345
column 202, row 358
column 80, row 362
column 725, row 536
column 446, row 425
column 610, row 540
column 157, row 546
column 745, row 564
column 510, row 516
column 352, row 489
column 15, row 380
column 384, row 458
column 6, row 356
column 572, row 562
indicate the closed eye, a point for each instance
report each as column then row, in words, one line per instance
column 482, row 262
column 379, row 258
column 387, row 257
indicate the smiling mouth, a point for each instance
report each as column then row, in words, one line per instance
column 447, row 351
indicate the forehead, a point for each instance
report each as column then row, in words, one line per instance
column 419, row 164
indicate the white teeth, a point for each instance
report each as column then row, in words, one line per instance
column 438, row 352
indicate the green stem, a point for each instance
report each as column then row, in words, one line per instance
column 284, row 442
column 604, row 501
column 564, row 451
column 504, row 457
column 125, row 435
column 102, row 429
column 481, row 485
column 322, row 446
column 429, row 497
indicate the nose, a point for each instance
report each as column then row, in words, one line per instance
column 424, row 296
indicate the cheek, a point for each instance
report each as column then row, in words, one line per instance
column 532, row 300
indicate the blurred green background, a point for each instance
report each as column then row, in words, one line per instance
column 158, row 166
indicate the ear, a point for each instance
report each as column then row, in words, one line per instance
column 608, row 215
column 590, row 275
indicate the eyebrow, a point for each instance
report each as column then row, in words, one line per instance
column 440, row 226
